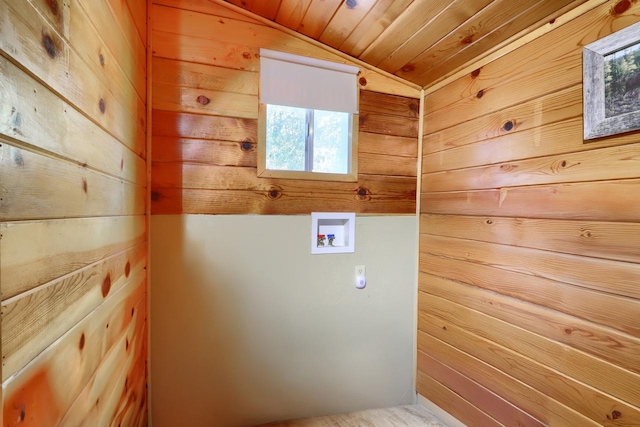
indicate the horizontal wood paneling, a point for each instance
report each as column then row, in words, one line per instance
column 73, row 126
column 477, row 311
column 35, row 43
column 617, row 162
column 33, row 115
column 605, row 275
column 203, row 76
column 36, row 252
column 555, row 107
column 185, row 125
column 451, row 401
column 48, row 386
column 613, row 311
column 438, row 374
column 119, row 32
column 529, row 253
column 107, row 390
column 205, row 152
column 421, row 41
column 615, row 201
column 575, row 395
column 189, row 176
column 535, row 403
column 39, row 187
column 274, row 202
column 589, row 238
column 34, row 320
column 209, row 34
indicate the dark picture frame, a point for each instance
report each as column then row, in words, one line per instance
column 611, row 84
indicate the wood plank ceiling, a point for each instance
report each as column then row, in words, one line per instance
column 418, row 40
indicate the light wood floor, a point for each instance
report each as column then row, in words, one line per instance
column 405, row 416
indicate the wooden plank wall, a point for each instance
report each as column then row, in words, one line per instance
column 72, row 205
column 204, row 153
column 529, row 302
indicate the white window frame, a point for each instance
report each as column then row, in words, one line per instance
column 299, row 94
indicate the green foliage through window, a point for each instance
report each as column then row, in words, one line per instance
column 299, row 139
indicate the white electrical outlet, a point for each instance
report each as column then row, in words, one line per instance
column 360, row 270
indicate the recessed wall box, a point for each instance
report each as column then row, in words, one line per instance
column 332, row 232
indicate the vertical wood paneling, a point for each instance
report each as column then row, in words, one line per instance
column 205, row 152
column 72, row 202
column 529, row 240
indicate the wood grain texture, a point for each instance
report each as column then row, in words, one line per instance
column 407, row 416
column 419, row 40
column 487, row 30
column 210, row 37
column 34, row 320
column 446, row 22
column 618, row 162
column 529, row 237
column 318, row 15
column 32, row 41
column 615, row 201
column 594, row 404
column 452, row 401
column 39, row 187
column 555, row 107
column 277, row 202
column 341, row 24
column 49, row 385
column 36, row 252
column 205, row 124
column 609, row 240
column 482, row 321
column 599, row 307
column 534, row 402
column 33, row 115
column 440, row 375
column 119, row 32
column 520, row 76
column 73, row 128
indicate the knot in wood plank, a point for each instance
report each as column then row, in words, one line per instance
column 203, row 100
column 363, row 193
column 103, row 106
column 620, row 7
column 53, row 6
column 106, row 285
column 274, row 193
column 362, row 81
column 49, row 46
column 508, row 126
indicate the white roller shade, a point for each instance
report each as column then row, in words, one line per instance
column 299, row 81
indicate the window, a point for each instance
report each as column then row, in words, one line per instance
column 308, row 118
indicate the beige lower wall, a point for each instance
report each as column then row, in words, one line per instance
column 248, row 327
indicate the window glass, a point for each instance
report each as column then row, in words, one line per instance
column 331, row 142
column 286, row 135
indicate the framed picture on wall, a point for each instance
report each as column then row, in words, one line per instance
column 611, row 84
